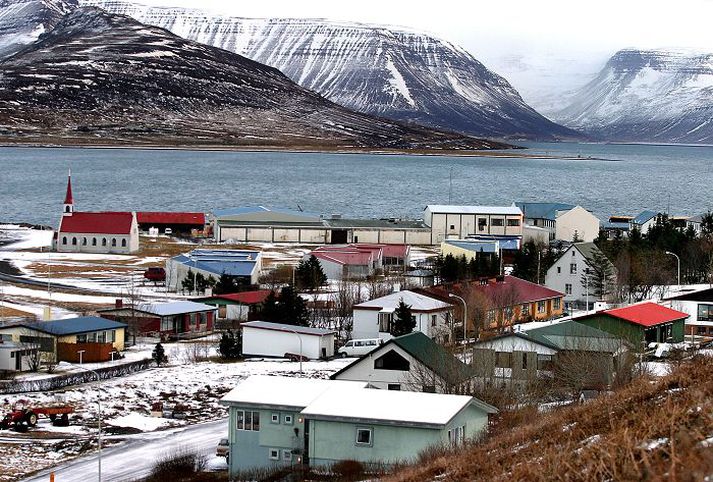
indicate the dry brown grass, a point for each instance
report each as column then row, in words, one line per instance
column 6, row 311
column 648, row 430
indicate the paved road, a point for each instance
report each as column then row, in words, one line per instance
column 133, row 459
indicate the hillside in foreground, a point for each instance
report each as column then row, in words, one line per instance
column 660, row 429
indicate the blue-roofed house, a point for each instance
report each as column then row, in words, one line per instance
column 242, row 265
column 63, row 340
column 169, row 320
column 644, row 221
column 565, row 222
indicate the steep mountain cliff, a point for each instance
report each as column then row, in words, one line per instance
column 23, row 21
column 378, row 70
column 103, row 78
column 647, row 95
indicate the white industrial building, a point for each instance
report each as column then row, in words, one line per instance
column 262, row 338
column 460, row 222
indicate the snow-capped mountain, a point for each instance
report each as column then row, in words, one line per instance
column 385, row 71
column 23, row 21
column 647, row 95
column 100, row 78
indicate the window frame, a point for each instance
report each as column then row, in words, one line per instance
column 286, row 455
column 288, row 419
column 241, row 420
column 275, row 418
column 368, row 430
column 276, row 455
column 709, row 312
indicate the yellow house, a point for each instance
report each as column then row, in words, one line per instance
column 86, row 338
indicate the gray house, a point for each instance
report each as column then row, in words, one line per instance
column 278, row 421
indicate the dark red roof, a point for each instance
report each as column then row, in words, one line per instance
column 646, row 314
column 246, row 297
column 68, row 199
column 512, row 290
column 99, row 223
column 170, row 218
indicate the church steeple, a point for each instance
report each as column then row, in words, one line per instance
column 68, row 208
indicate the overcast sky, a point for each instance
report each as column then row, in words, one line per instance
column 517, row 38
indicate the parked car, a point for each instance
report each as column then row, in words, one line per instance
column 155, row 274
column 223, row 448
column 359, row 347
column 168, row 231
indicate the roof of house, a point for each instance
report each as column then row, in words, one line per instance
column 391, row 406
column 302, row 330
column 505, row 241
column 428, row 352
column 644, row 216
column 345, row 258
column 646, row 314
column 97, row 223
column 221, row 261
column 475, row 246
column 266, row 390
column 71, row 326
column 513, row 290
column 698, row 295
column 494, row 210
column 388, row 250
column 253, row 297
column 570, row 335
column 171, row 308
column 589, row 251
column 543, row 210
column 261, row 209
column 170, row 218
column 344, row 223
column 417, row 302
column 624, row 226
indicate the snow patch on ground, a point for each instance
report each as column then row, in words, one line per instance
column 139, row 422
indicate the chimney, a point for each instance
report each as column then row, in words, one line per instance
column 119, row 303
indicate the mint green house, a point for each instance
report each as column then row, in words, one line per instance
column 277, row 421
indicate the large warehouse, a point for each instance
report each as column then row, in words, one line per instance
column 261, row 224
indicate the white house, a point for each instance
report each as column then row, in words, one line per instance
column 576, row 223
column 460, row 222
column 262, row 338
column 95, row 232
column 373, row 319
column 699, row 306
column 565, row 275
column 644, row 221
column 16, row 357
column 411, row 362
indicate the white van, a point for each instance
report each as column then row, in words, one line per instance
column 359, row 347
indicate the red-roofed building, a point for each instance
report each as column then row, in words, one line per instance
column 643, row 322
column 497, row 303
column 176, row 222
column 236, row 306
column 96, row 232
column 352, row 261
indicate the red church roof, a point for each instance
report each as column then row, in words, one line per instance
column 99, row 223
column 646, row 314
column 170, row 218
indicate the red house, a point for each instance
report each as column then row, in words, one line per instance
column 178, row 319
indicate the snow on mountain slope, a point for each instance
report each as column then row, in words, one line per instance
column 647, row 95
column 389, row 72
column 98, row 78
column 23, row 21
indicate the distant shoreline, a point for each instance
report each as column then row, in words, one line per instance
column 515, row 152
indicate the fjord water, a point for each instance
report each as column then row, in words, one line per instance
column 637, row 177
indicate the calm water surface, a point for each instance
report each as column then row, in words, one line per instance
column 648, row 177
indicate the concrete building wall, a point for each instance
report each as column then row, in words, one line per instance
column 577, row 220
column 560, row 277
column 85, row 243
column 365, row 324
column 461, row 225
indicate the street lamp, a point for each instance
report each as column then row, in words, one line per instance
column 99, row 404
column 465, row 320
column 678, row 265
column 299, row 337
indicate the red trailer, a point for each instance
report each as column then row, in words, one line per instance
column 24, row 416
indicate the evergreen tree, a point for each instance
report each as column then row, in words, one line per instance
column 270, row 310
column 449, row 269
column 404, row 321
column 310, row 274
column 707, row 224
column 158, row 354
column 230, row 346
column 290, row 308
column 601, row 275
column 188, row 283
column 225, row 284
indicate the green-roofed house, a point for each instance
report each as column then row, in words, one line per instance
column 412, row 362
column 529, row 354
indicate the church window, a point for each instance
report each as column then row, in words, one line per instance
column 94, row 241
column 113, row 242
column 74, row 241
column 103, row 241
column 64, row 240
column 84, row 241
column 123, row 243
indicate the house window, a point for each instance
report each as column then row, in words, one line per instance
column 503, row 359
column 705, row 312
column 74, row 241
column 491, row 316
column 166, row 324
column 103, row 241
column 247, row 420
column 64, row 239
column 507, row 313
column 275, row 418
column 94, row 241
column 113, row 242
column 456, row 435
column 286, row 455
column 287, row 420
column 101, row 337
column 545, row 362
column 123, row 243
column 385, row 322
column 524, row 310
column 394, row 386
column 453, row 226
column 513, row 222
column 568, row 289
column 82, row 338
column 112, row 336
column 482, row 224
column 573, row 268
column 559, row 269
column 556, row 303
column 434, row 320
column 524, row 361
column 392, row 361
column 541, row 306
column 496, row 222
column 274, row 454
column 364, row 436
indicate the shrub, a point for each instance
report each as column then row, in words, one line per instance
column 176, row 466
column 348, row 469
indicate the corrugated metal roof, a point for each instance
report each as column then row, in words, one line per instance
column 570, row 335
column 217, row 262
column 646, row 314
column 416, row 301
column 97, row 223
column 70, row 326
column 260, row 209
column 543, row 210
column 170, row 218
column 496, row 210
column 475, row 246
column 302, row 330
column 173, row 308
column 643, row 217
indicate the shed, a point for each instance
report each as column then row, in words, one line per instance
column 236, row 306
column 263, row 338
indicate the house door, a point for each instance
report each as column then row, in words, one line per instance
column 305, row 451
column 18, row 361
